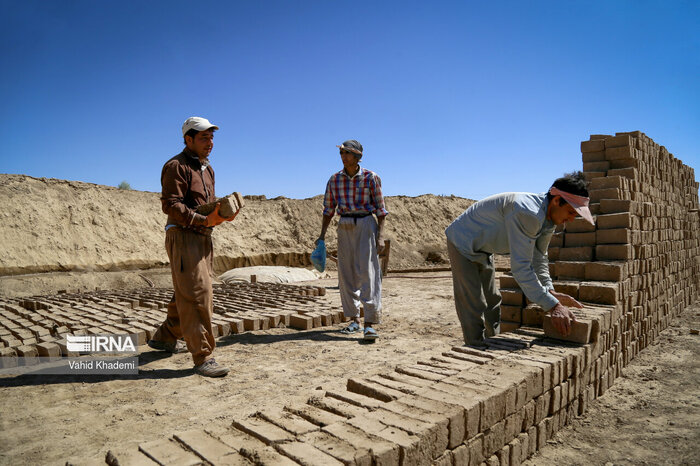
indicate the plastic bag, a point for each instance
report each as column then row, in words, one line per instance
column 318, row 256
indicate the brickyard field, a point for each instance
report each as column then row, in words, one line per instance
column 620, row 390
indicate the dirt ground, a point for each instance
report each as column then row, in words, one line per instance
column 650, row 416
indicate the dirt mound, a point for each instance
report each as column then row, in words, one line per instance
column 56, row 225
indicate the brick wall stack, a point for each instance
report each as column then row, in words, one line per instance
column 634, row 271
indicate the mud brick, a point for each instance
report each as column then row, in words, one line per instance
column 435, row 433
column 475, row 445
column 39, row 331
column 581, row 253
column 426, row 371
column 606, row 271
column 289, row 422
column 27, row 351
column 431, row 410
column 274, row 319
column 443, row 460
column 619, row 141
column 263, row 430
column 618, row 182
column 400, row 382
column 508, row 281
column 625, row 163
column 613, row 236
column 315, row 415
column 532, row 315
column 630, row 172
column 237, row 325
column 512, row 297
column 229, row 205
column 167, row 451
column 64, row 349
column 507, row 327
column 383, row 451
column 494, row 438
column 209, row 448
column 8, row 357
column 511, row 313
column 580, row 331
column 599, row 292
column 601, row 166
column 9, row 341
column 304, row 453
column 614, row 154
column 317, row 320
column 470, row 407
column 612, row 252
column 596, row 195
column 579, row 239
column 301, row 322
column 223, row 328
column 465, row 357
column 355, row 399
column 139, row 333
column 597, row 156
column 556, row 241
column 413, row 450
column 338, row 407
column 49, row 350
column 567, row 287
column 593, row 146
column 547, row 371
column 252, row 448
column 513, row 424
column 339, row 449
column 613, row 206
column 373, row 390
column 492, row 402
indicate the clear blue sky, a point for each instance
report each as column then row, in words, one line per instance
column 447, row 97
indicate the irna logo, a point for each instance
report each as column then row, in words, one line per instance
column 100, row 343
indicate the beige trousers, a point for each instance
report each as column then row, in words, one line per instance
column 359, row 275
column 191, row 307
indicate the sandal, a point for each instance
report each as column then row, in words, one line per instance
column 370, row 334
column 352, row 328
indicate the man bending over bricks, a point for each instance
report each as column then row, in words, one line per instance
column 188, row 181
column 519, row 224
column 357, row 194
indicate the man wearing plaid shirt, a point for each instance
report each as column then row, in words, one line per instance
column 357, row 194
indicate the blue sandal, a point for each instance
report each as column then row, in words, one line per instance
column 352, row 328
column 370, row 334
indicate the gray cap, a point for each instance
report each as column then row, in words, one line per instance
column 352, row 145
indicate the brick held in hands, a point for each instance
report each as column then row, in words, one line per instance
column 580, row 330
column 229, row 205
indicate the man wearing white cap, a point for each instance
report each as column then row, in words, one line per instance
column 188, row 182
column 519, row 224
column 356, row 193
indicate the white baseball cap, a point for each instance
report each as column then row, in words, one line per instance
column 198, row 123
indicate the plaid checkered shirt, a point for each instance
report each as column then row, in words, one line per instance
column 360, row 194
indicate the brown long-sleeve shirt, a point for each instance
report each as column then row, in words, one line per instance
column 186, row 185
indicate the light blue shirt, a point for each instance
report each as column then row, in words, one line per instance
column 515, row 224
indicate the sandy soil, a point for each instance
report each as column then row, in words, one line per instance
column 650, row 416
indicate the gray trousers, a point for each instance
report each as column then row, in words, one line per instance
column 359, row 275
column 477, row 298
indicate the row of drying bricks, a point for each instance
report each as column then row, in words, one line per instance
column 466, row 406
column 25, row 333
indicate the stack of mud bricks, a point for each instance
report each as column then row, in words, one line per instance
column 634, row 270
